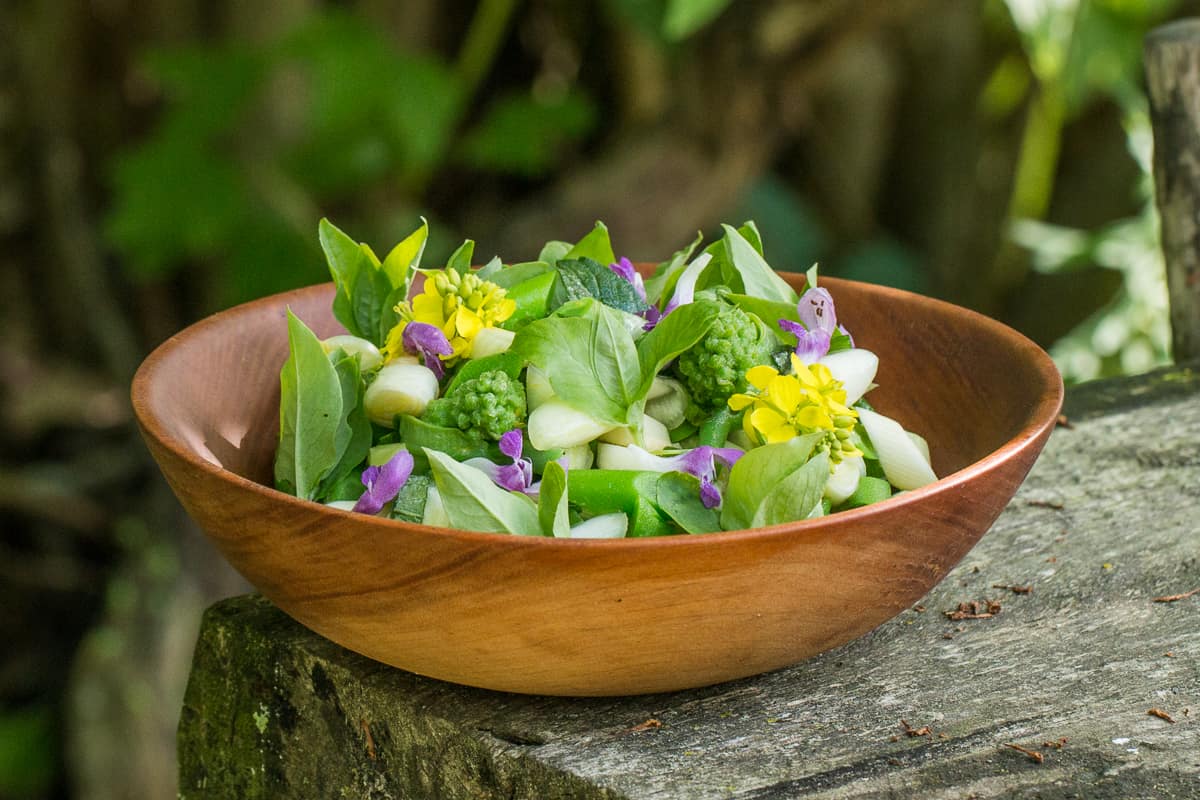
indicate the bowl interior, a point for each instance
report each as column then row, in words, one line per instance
column 966, row 383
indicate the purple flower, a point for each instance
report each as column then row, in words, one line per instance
column 515, row 477
column 427, row 341
column 626, row 270
column 819, row 322
column 701, row 462
column 384, row 483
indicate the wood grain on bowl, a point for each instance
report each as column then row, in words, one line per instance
column 549, row 616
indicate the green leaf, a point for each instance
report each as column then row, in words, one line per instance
column 409, row 505
column 474, row 503
column 552, row 251
column 679, row 498
column 583, row 277
column 666, row 275
column 685, row 17
column 29, row 744
column 596, row 246
column 796, row 495
column 490, row 269
column 514, row 274
column 553, row 510
column 674, row 333
column 418, row 434
column 402, row 262
column 532, row 299
column 310, row 414
column 353, row 438
column 590, row 359
column 757, row 474
column 460, row 259
column 756, row 276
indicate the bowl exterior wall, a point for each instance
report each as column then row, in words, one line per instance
column 532, row 615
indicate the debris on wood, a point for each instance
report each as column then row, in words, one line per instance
column 1014, row 589
column 1062, row 422
column 366, row 729
column 1171, row 598
column 975, row 609
column 648, row 725
column 913, row 732
column 1057, row 744
column 919, row 609
column 1158, row 712
column 1045, row 504
column 1034, row 755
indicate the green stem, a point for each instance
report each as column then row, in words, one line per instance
column 484, row 37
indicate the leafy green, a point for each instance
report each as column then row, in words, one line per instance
column 553, row 509
column 409, row 504
column 758, row 474
column 514, row 274
column 870, row 490
column 756, row 277
column 532, row 298
column 591, row 361
column 662, row 282
column 679, row 499
column 507, row 362
column 584, row 277
column 474, row 503
column 552, row 251
column 353, row 437
column 769, row 311
column 796, row 495
column 460, row 259
column 418, row 434
column 310, row 414
column 596, row 246
column 675, row 333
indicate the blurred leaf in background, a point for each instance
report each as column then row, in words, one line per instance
column 28, row 755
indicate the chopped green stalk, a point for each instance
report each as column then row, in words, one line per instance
column 603, row 491
column 870, row 490
column 715, row 430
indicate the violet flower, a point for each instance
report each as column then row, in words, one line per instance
column 701, row 462
column 427, row 341
column 818, row 322
column 685, row 291
column 624, row 267
column 384, row 483
column 515, row 477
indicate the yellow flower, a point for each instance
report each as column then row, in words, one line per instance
column 807, row 401
column 460, row 305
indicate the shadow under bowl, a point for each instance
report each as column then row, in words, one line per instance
column 602, row 617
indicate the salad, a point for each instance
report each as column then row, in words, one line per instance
column 571, row 397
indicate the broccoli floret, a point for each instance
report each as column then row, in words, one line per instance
column 487, row 406
column 715, row 367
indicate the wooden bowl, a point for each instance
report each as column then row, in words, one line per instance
column 602, row 617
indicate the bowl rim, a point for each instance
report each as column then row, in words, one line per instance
column 1041, row 417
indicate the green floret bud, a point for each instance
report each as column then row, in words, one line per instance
column 486, row 407
column 715, row 367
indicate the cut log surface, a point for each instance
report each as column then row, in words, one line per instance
column 1066, row 639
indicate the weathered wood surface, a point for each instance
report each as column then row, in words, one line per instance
column 1108, row 520
column 1173, row 83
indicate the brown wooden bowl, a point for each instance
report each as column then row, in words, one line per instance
column 602, row 617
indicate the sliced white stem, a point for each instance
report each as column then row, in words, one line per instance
column 490, row 341
column 368, row 354
column 537, row 387
column 555, row 424
column 580, row 456
column 654, row 434
column 628, row 456
column 843, row 481
column 344, row 505
column 855, row 369
column 903, row 462
column 921, row 444
column 605, row 526
column 399, row 388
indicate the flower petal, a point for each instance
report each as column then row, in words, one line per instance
column 710, row 496
column 384, row 483
column 421, row 338
column 816, row 310
column 511, row 444
column 760, row 376
column 812, row 345
column 784, row 393
column 624, row 267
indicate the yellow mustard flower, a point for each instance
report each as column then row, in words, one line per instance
column 809, row 400
column 459, row 305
